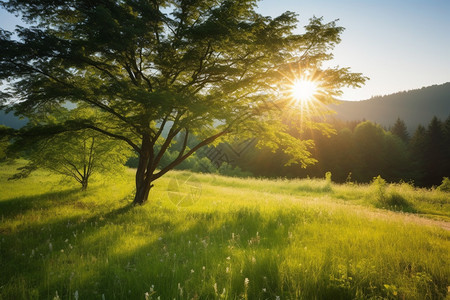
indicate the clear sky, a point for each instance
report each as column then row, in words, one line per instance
column 399, row 44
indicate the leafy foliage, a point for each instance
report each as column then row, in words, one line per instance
column 77, row 155
column 160, row 68
column 365, row 150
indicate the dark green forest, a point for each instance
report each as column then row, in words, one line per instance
column 357, row 152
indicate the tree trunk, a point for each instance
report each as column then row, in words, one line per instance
column 84, row 184
column 142, row 194
column 143, row 174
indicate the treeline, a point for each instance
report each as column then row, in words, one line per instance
column 359, row 151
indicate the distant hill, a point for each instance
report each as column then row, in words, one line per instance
column 414, row 107
column 10, row 120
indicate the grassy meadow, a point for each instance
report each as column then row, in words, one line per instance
column 204, row 236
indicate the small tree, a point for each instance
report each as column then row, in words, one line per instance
column 77, row 155
column 158, row 69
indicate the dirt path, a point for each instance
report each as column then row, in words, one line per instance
column 410, row 218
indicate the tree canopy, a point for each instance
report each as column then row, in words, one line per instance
column 159, row 69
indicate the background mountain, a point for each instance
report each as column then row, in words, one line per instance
column 413, row 107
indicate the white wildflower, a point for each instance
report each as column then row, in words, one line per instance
column 180, row 289
column 56, row 296
column 75, row 295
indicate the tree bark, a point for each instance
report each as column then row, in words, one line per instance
column 141, row 195
column 144, row 173
column 84, row 184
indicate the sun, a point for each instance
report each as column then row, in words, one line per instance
column 303, row 90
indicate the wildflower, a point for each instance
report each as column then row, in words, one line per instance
column 203, row 268
column 192, row 271
column 180, row 289
column 246, row 281
column 75, row 295
column 264, row 290
column 277, row 298
column 228, row 258
column 215, row 288
column 56, row 296
column 146, row 295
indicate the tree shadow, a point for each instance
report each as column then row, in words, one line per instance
column 10, row 208
column 164, row 262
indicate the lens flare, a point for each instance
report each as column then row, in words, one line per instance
column 303, row 90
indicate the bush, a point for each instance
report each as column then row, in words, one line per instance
column 392, row 200
column 379, row 186
column 445, row 186
column 327, row 187
column 229, row 170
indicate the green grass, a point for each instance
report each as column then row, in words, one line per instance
column 296, row 239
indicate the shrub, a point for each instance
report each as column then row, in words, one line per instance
column 327, row 187
column 379, row 186
column 445, row 186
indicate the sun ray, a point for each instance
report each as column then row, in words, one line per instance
column 303, row 90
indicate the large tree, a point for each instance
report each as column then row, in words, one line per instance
column 159, row 69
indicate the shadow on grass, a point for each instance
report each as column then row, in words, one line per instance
column 165, row 262
column 396, row 202
column 12, row 207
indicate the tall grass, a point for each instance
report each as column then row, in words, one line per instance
column 241, row 239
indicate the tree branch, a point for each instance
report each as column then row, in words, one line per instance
column 179, row 159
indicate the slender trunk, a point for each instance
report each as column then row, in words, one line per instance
column 84, row 184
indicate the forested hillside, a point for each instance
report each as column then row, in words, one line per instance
column 415, row 107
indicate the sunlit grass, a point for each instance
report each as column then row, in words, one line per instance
column 297, row 239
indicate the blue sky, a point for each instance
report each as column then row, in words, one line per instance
column 399, row 44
